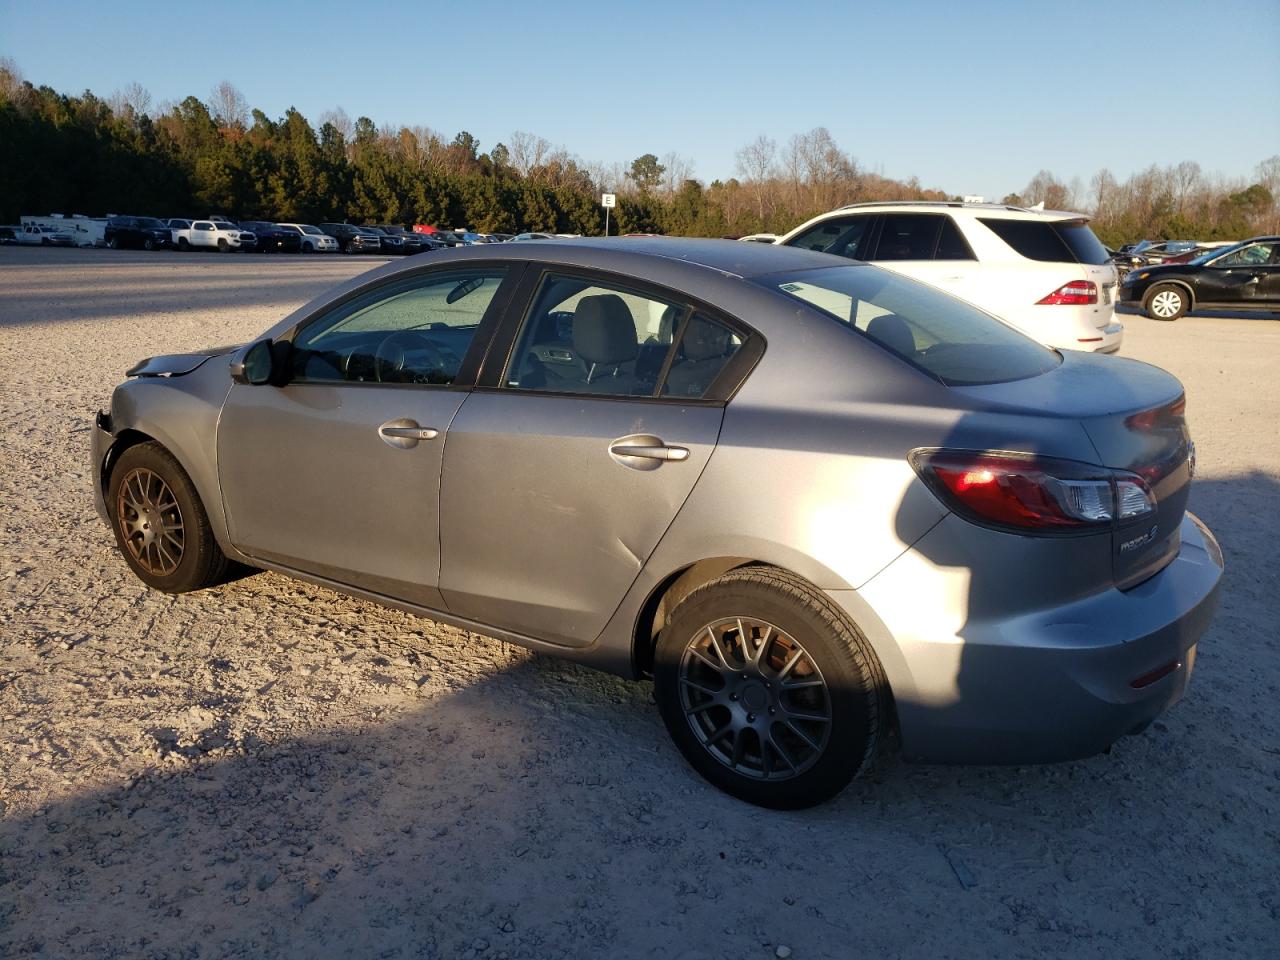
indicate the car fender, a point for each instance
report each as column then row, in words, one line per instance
column 181, row 414
column 1173, row 281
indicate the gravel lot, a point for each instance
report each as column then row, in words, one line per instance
column 269, row 769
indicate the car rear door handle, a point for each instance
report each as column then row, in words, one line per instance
column 647, row 451
column 404, row 433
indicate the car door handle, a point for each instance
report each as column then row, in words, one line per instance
column 660, row 451
column 404, row 433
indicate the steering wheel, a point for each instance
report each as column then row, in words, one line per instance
column 392, row 353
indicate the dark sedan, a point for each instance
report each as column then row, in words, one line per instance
column 273, row 238
column 1244, row 276
column 146, row 233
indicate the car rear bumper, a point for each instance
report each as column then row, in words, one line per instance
column 1044, row 685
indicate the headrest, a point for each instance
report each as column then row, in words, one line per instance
column 603, row 331
column 892, row 331
column 667, row 324
column 704, row 340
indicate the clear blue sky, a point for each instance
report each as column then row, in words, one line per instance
column 971, row 97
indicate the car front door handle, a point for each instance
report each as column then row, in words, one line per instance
column 658, row 451
column 404, row 433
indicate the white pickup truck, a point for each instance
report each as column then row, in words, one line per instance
column 34, row 235
column 217, row 235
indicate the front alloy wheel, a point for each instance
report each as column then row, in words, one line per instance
column 150, row 522
column 160, row 524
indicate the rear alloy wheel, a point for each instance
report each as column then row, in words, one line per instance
column 768, row 690
column 1167, row 302
column 161, row 527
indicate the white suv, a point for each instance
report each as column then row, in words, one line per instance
column 1042, row 271
column 314, row 240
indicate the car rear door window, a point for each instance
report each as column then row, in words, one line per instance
column 844, row 236
column 415, row 332
column 587, row 337
column 952, row 244
column 908, row 236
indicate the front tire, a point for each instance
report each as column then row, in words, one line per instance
column 161, row 527
column 223, row 246
column 113, row 244
column 1167, row 302
column 769, row 690
column 184, row 244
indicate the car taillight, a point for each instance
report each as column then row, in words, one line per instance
column 1033, row 494
column 1076, row 293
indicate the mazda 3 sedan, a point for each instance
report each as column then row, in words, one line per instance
column 813, row 500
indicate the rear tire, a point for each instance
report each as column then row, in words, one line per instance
column 1167, row 302
column 785, row 719
column 160, row 525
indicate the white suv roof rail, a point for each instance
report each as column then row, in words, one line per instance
column 937, row 203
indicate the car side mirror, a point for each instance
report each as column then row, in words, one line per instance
column 256, row 364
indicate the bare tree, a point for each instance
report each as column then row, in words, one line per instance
column 757, row 166
column 228, row 105
column 678, row 170
column 11, row 81
column 131, row 103
column 528, row 152
column 340, row 121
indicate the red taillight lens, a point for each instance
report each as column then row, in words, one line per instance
column 1076, row 293
column 1159, row 418
column 1032, row 494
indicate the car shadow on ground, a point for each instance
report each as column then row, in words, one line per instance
column 1235, row 314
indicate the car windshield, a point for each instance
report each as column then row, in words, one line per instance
column 946, row 338
column 153, row 223
column 307, row 228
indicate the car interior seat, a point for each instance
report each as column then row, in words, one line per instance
column 892, row 331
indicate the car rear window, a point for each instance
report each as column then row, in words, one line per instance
column 952, row 341
column 1063, row 241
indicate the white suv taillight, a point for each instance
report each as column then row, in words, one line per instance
column 1076, row 293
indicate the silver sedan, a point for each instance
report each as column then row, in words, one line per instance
column 812, row 500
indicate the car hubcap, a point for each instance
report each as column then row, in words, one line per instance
column 1166, row 303
column 755, row 698
column 150, row 522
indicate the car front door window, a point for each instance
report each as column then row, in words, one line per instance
column 414, row 333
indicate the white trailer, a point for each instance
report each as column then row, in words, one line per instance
column 84, row 231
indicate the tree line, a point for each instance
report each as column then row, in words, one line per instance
column 122, row 154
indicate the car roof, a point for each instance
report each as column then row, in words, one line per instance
column 726, row 257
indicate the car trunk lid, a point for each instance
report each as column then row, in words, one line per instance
column 1134, row 416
